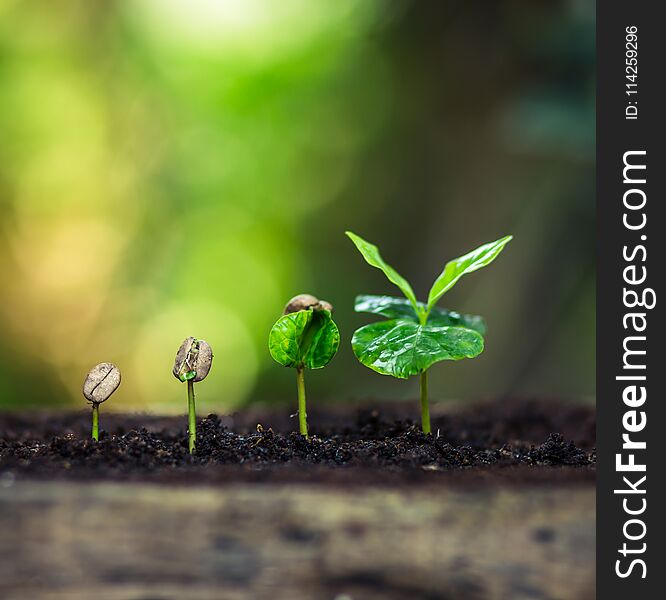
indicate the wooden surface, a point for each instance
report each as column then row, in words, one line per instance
column 79, row 541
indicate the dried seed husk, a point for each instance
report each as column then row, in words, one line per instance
column 204, row 360
column 193, row 360
column 304, row 302
column 101, row 382
column 300, row 302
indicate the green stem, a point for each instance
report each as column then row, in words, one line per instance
column 95, row 421
column 191, row 416
column 302, row 414
column 425, row 408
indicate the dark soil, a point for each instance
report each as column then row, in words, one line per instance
column 508, row 442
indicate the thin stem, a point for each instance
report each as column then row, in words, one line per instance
column 425, row 408
column 302, row 414
column 191, row 416
column 95, row 421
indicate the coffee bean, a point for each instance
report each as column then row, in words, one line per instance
column 304, row 302
column 193, row 356
column 101, row 382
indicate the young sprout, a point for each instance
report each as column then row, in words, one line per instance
column 304, row 337
column 100, row 383
column 193, row 361
column 417, row 335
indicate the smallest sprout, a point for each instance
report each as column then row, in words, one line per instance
column 101, row 382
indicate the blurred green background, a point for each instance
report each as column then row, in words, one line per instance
column 178, row 167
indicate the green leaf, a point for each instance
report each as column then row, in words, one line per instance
column 403, row 348
column 393, row 307
column 440, row 317
column 307, row 338
column 468, row 263
column 371, row 254
column 390, row 307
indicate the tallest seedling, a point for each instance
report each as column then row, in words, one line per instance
column 417, row 335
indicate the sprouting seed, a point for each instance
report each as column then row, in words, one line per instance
column 193, row 362
column 305, row 336
column 100, row 383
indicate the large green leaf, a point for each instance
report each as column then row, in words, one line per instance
column 468, row 263
column 371, row 254
column 403, row 348
column 307, row 338
column 393, row 307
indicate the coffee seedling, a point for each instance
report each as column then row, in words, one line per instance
column 305, row 337
column 417, row 335
column 193, row 362
column 100, row 383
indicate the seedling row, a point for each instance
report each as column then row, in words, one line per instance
column 412, row 337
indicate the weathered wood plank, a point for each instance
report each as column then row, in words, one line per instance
column 78, row 541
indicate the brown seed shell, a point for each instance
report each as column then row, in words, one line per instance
column 193, row 355
column 305, row 301
column 101, row 382
column 300, row 302
column 204, row 360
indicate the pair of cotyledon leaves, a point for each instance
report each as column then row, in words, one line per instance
column 414, row 336
column 306, row 338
